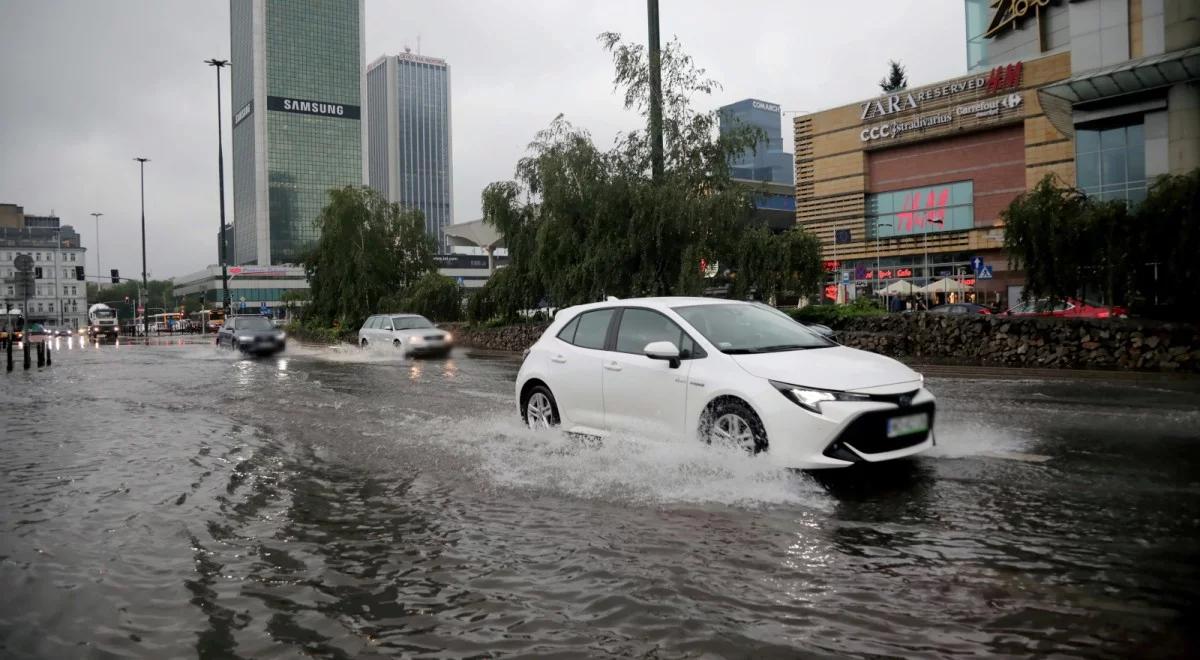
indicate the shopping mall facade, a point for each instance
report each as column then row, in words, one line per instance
column 1102, row 94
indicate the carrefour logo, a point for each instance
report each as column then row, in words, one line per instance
column 309, row 107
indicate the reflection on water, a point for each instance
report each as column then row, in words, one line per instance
column 346, row 503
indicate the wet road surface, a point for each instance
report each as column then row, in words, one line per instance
column 176, row 501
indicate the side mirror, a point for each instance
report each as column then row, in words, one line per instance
column 663, row 350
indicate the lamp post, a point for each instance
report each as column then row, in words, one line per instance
column 145, row 285
column 99, row 271
column 878, row 226
column 656, row 109
column 218, row 65
column 925, row 234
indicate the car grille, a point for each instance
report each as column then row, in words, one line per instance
column 868, row 432
column 903, row 399
column 433, row 337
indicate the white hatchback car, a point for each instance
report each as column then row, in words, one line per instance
column 723, row 371
column 412, row 333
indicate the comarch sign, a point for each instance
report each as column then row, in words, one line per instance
column 769, row 107
column 307, row 107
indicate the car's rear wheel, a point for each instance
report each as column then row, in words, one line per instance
column 732, row 423
column 363, row 343
column 540, row 411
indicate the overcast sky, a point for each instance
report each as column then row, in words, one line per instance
column 86, row 86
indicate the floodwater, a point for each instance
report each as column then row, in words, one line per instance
column 176, row 501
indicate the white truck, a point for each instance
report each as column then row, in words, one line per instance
column 102, row 321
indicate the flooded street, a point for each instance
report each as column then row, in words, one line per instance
column 176, row 501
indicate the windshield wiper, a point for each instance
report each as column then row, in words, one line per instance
column 738, row 351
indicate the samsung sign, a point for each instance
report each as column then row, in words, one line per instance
column 319, row 108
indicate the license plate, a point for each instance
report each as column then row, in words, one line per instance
column 907, row 425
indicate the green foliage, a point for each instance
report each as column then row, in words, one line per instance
column 774, row 264
column 437, row 297
column 1072, row 245
column 895, row 80
column 834, row 315
column 370, row 251
column 310, row 330
column 581, row 223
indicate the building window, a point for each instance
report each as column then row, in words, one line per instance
column 49, row 307
column 944, row 207
column 977, row 24
column 1110, row 161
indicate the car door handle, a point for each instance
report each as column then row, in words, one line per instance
column 613, row 366
column 559, row 359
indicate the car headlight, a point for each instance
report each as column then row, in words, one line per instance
column 281, row 336
column 811, row 399
column 415, row 339
column 448, row 337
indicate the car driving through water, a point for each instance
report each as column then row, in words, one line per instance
column 725, row 372
column 412, row 333
column 252, row 334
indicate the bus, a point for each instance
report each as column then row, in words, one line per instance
column 12, row 323
column 165, row 322
column 207, row 320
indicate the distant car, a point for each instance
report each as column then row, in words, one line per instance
column 412, row 333
column 38, row 330
column 252, row 334
column 960, row 309
column 1066, row 308
column 62, row 333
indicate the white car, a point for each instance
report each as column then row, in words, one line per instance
column 725, row 372
column 412, row 333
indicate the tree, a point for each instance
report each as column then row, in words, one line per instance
column 1170, row 237
column 1044, row 229
column 435, row 296
column 369, row 252
column 581, row 222
column 895, row 80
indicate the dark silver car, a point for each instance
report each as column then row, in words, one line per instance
column 253, row 334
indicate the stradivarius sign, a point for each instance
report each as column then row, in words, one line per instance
column 308, row 107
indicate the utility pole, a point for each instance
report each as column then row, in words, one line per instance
column 656, row 110
column 218, row 65
column 925, row 234
column 145, row 285
column 99, row 271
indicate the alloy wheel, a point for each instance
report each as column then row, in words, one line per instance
column 539, row 412
column 733, row 430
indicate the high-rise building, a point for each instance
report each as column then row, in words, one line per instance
column 408, row 136
column 767, row 161
column 297, row 97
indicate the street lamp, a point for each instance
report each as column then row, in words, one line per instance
column 145, row 285
column 878, row 226
column 99, row 271
column 929, row 221
column 218, row 65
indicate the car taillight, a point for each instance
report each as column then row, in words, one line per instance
column 1102, row 315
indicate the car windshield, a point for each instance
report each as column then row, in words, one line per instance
column 410, row 322
column 738, row 328
column 105, row 313
column 253, row 323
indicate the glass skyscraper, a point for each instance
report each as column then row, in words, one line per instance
column 408, row 136
column 768, row 161
column 297, row 99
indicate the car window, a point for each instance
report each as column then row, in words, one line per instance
column 944, row 309
column 384, row 323
column 254, row 323
column 738, row 328
column 957, row 309
column 567, row 334
column 593, row 328
column 231, row 324
column 408, row 322
column 639, row 327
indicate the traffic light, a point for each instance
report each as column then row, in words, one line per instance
column 37, row 272
column 116, row 278
column 79, row 273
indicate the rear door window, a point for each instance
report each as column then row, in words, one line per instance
column 567, row 334
column 593, row 328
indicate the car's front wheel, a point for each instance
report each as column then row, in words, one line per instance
column 540, row 411
column 733, row 423
column 363, row 343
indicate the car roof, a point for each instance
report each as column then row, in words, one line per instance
column 662, row 302
column 407, row 314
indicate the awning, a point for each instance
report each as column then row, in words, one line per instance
column 946, row 285
column 476, row 233
column 1129, row 77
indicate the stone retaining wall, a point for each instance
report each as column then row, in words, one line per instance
column 976, row 340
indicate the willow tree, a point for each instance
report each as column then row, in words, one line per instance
column 581, row 222
column 369, row 253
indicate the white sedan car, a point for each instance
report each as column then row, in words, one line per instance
column 726, row 372
column 412, row 333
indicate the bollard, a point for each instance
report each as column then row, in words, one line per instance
column 8, row 350
column 48, row 354
column 41, row 353
column 25, row 345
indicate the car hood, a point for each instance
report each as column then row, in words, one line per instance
column 255, row 334
column 834, row 368
column 420, row 332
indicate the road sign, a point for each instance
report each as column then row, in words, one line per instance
column 860, row 272
column 23, row 262
column 845, row 276
column 977, row 264
column 141, row 310
column 262, row 309
column 984, row 273
column 461, row 280
column 841, row 236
